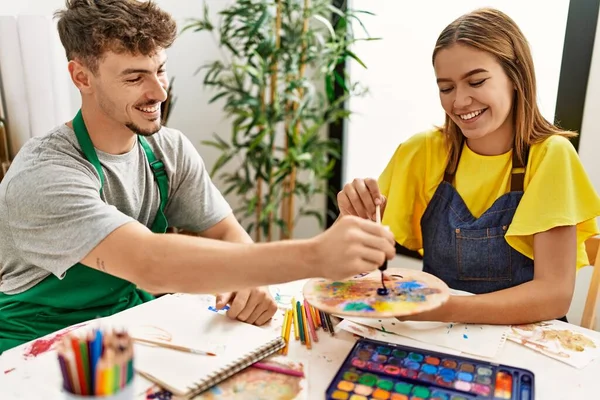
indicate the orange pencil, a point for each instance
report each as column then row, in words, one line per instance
column 318, row 317
column 305, row 326
column 312, row 315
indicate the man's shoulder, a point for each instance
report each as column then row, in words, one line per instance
column 39, row 155
column 57, row 143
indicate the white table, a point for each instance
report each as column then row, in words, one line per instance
column 554, row 379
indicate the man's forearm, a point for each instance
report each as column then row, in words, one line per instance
column 179, row 263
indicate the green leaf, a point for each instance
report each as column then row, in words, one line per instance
column 327, row 24
column 355, row 57
column 315, row 214
column 218, row 96
column 221, row 161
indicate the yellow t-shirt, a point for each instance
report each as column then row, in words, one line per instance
column 557, row 190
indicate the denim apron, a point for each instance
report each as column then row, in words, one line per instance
column 469, row 253
column 84, row 293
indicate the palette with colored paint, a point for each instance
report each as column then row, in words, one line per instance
column 409, row 292
column 379, row 370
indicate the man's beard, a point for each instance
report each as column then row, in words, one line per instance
column 139, row 131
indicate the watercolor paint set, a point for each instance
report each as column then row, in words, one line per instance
column 380, row 370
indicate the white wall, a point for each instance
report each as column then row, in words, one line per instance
column 403, row 97
column 192, row 114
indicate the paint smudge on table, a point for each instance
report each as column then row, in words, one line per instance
column 46, row 344
column 8, row 371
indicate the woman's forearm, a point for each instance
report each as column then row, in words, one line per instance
column 526, row 303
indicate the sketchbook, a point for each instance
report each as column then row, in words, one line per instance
column 184, row 320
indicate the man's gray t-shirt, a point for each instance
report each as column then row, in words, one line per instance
column 52, row 214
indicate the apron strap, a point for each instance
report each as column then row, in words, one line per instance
column 160, row 224
column 83, row 137
column 518, row 170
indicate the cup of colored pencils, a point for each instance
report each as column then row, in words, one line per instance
column 97, row 365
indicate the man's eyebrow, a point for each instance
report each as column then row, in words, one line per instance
column 472, row 72
column 129, row 71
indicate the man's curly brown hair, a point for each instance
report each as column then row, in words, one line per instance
column 89, row 28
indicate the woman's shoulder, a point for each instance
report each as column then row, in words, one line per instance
column 553, row 145
column 431, row 140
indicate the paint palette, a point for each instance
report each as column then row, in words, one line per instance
column 409, row 292
column 381, row 371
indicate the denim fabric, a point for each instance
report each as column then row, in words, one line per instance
column 469, row 253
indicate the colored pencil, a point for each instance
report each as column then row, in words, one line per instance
column 305, row 326
column 287, row 332
column 323, row 321
column 79, row 365
column 318, row 316
column 283, row 325
column 300, row 325
column 329, row 323
column 311, row 311
column 295, row 315
column 311, row 322
column 67, row 385
column 278, row 369
column 109, row 376
column 85, row 362
column 173, row 346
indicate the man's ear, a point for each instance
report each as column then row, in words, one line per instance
column 80, row 75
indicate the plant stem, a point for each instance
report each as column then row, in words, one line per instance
column 273, row 105
column 259, row 181
column 292, row 183
column 283, row 234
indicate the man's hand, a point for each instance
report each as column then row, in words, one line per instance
column 352, row 246
column 254, row 306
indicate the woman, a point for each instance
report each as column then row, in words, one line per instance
column 496, row 200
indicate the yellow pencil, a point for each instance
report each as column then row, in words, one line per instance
column 295, row 315
column 109, row 372
column 305, row 326
column 283, row 325
column 288, row 327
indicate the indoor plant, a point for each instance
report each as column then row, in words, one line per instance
column 276, row 79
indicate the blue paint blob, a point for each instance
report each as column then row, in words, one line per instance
column 409, row 285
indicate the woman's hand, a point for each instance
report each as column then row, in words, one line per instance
column 360, row 198
column 443, row 313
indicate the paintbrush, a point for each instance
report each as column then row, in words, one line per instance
column 173, row 346
column 383, row 290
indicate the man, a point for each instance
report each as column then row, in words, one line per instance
column 84, row 208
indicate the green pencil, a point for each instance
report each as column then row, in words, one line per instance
column 300, row 324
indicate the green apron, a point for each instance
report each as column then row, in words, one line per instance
column 84, row 293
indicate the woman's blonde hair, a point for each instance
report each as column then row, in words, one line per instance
column 494, row 32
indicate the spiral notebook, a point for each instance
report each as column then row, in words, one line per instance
column 184, row 320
